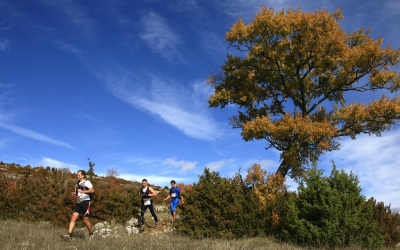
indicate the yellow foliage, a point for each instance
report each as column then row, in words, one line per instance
column 288, row 128
column 299, row 64
column 372, row 118
column 276, row 220
column 267, row 187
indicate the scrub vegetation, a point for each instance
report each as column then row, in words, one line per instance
column 247, row 210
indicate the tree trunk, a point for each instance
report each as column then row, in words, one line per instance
column 283, row 169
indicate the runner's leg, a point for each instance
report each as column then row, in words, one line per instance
column 153, row 213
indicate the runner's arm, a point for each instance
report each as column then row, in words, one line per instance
column 89, row 191
column 152, row 192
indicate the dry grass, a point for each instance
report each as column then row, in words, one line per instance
column 42, row 235
column 25, row 235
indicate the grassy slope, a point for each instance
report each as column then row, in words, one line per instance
column 24, row 235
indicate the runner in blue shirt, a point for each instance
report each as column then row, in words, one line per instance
column 175, row 196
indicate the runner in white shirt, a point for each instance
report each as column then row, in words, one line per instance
column 83, row 189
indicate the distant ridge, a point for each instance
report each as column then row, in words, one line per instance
column 395, row 210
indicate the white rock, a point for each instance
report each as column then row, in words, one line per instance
column 99, row 226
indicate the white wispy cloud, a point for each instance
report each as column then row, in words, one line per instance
column 270, row 165
column 159, row 36
column 90, row 117
column 4, row 44
column 194, row 125
column 201, row 92
column 48, row 162
column 376, row 162
column 218, row 165
column 75, row 14
column 174, row 105
column 63, row 45
column 138, row 160
column 181, row 164
column 392, row 7
column 34, row 135
column 6, row 117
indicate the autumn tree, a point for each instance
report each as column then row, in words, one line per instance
column 272, row 195
column 289, row 76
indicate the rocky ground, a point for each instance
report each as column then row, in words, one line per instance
column 131, row 227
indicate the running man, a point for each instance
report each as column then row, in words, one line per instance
column 82, row 190
column 175, row 196
column 147, row 202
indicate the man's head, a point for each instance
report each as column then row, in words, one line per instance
column 81, row 174
column 173, row 183
column 144, row 182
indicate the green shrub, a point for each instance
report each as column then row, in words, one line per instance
column 329, row 212
column 220, row 208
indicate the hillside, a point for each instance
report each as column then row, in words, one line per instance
column 47, row 189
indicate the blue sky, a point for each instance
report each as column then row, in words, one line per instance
column 124, row 83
